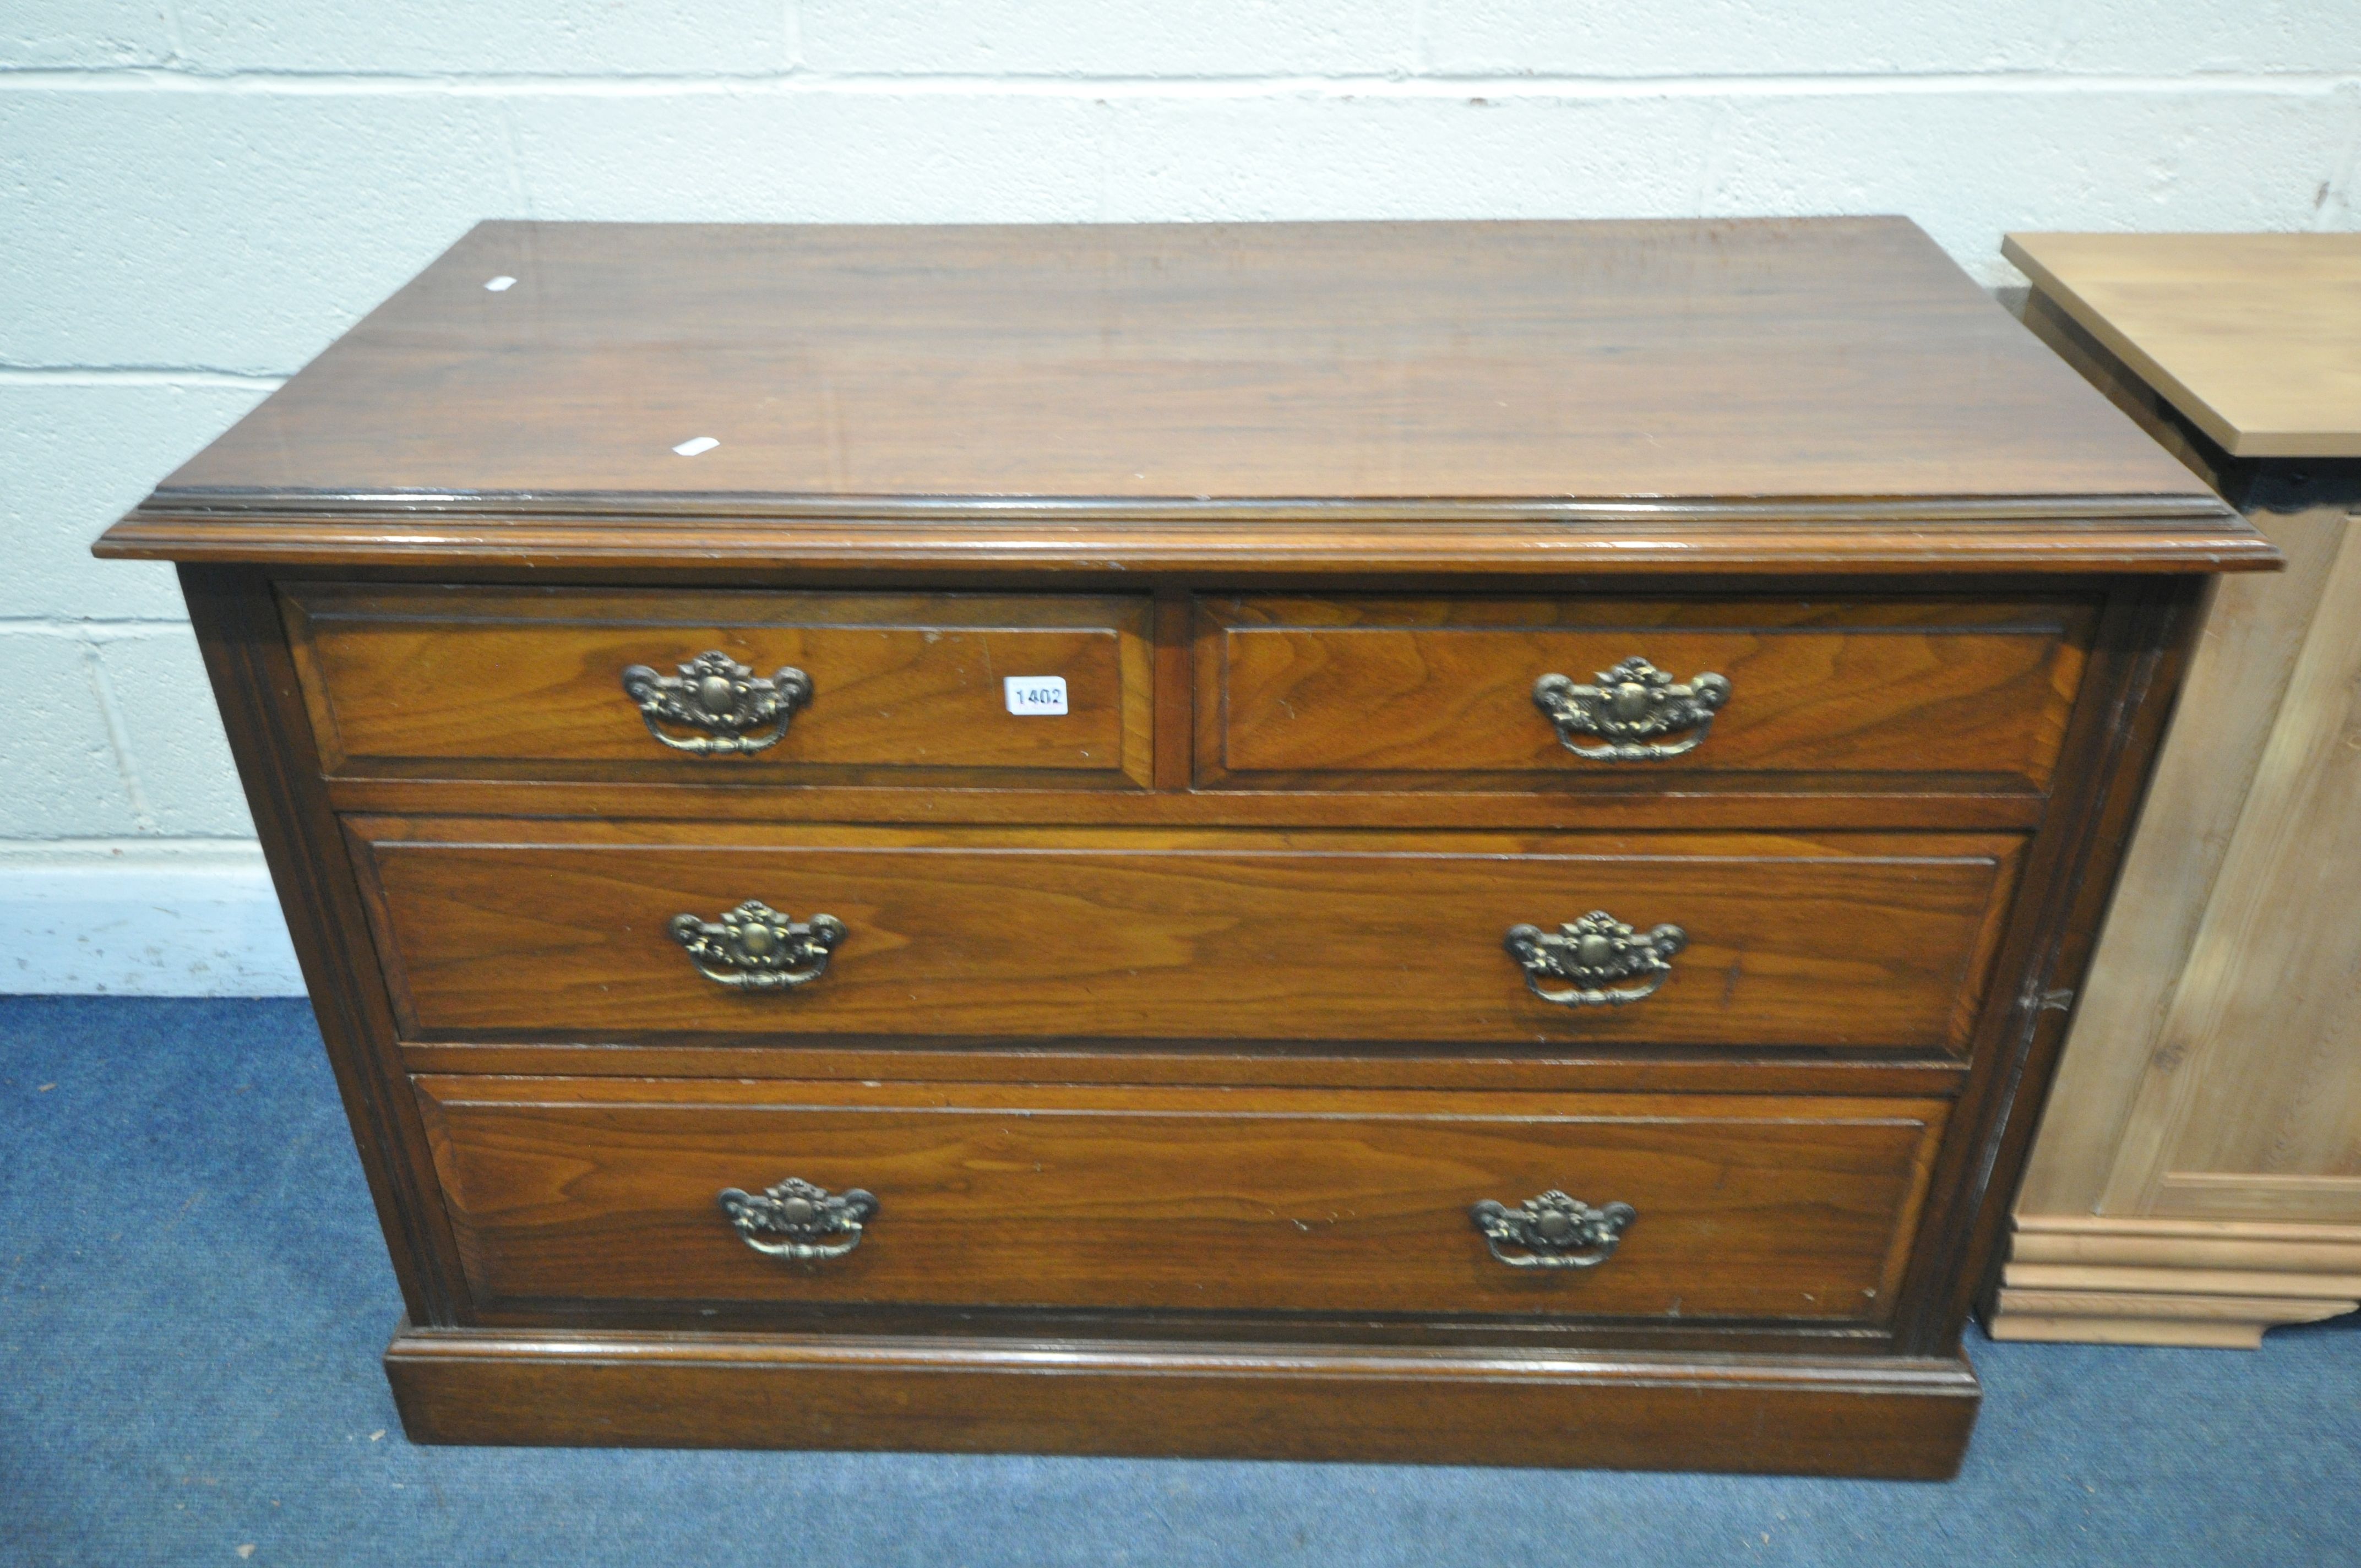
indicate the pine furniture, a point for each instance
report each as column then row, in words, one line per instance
column 2198, row 1175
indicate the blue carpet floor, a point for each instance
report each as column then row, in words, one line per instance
column 194, row 1297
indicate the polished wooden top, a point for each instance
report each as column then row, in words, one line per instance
column 1834, row 357
column 2255, row 337
column 1216, row 379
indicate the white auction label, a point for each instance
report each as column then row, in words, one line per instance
column 1035, row 694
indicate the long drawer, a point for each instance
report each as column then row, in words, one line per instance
column 1634, row 693
column 590, row 931
column 707, row 686
column 1729, row 1206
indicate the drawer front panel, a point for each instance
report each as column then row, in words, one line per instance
column 511, row 683
column 606, row 1190
column 1859, row 941
column 1391, row 694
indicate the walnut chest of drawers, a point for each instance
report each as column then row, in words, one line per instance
column 1449, row 841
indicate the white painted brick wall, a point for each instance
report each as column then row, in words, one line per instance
column 196, row 195
column 77, row 450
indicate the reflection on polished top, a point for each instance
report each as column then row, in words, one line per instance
column 1817, row 358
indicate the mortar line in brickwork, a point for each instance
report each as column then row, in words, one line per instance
column 136, row 376
column 112, row 626
column 24, row 848
column 1380, row 85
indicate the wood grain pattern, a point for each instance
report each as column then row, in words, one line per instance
column 2210, row 1080
column 1859, row 942
column 2255, row 634
column 2071, row 866
column 2255, row 337
column 1359, row 693
column 1286, row 360
column 1611, row 1067
column 2157, row 1279
column 1890, row 803
column 905, row 687
column 1907, row 1419
column 603, row 1189
column 787, row 543
column 239, row 634
column 2165, row 425
column 2250, row 1106
column 2194, row 1320
column 2152, row 1241
column 1823, row 415
column 1503, row 397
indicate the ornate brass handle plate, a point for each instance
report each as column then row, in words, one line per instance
column 740, row 712
column 1553, row 1230
column 1593, row 956
column 1632, row 704
column 798, row 1221
column 755, row 948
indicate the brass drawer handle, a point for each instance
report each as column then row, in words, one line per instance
column 1553, row 1230
column 755, row 948
column 796, row 1220
column 1591, row 955
column 1631, row 704
column 724, row 698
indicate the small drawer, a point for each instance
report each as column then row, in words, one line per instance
column 1476, row 694
column 640, row 931
column 609, row 1189
column 579, row 684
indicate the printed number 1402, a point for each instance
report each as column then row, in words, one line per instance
column 1036, row 694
